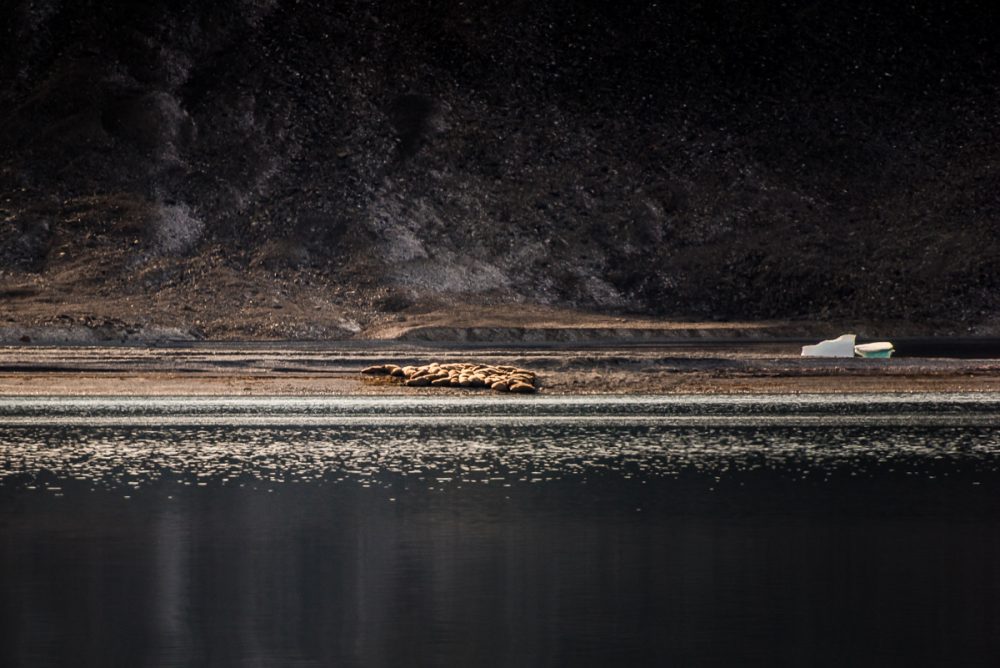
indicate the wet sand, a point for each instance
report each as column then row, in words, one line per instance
column 332, row 368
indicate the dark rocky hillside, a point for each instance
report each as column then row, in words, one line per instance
column 159, row 160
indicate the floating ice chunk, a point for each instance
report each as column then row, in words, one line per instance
column 876, row 349
column 842, row 346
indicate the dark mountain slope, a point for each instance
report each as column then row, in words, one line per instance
column 723, row 159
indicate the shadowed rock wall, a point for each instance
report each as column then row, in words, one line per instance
column 729, row 159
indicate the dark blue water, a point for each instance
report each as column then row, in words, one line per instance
column 805, row 531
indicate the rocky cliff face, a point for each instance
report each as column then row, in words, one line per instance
column 722, row 160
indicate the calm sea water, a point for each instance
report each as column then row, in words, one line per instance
column 767, row 531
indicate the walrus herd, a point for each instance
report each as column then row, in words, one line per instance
column 458, row 374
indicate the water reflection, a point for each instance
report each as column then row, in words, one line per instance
column 114, row 442
column 771, row 539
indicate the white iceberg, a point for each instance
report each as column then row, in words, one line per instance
column 876, row 349
column 842, row 346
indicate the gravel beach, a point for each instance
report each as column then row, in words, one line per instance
column 333, row 368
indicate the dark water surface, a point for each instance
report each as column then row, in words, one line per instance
column 766, row 531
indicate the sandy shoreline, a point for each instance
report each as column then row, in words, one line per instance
column 333, row 369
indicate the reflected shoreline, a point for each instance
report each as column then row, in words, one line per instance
column 114, row 441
